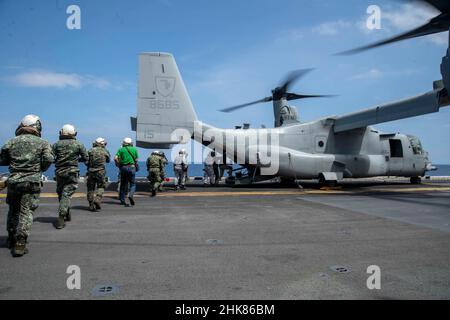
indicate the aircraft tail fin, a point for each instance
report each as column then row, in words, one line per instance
column 163, row 102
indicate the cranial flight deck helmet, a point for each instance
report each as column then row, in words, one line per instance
column 31, row 121
column 127, row 142
column 100, row 142
column 68, row 130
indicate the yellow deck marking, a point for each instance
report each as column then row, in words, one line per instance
column 263, row 193
column 231, row 194
column 410, row 189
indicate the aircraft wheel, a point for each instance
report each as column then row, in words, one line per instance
column 332, row 184
column 325, row 183
column 230, row 181
column 416, row 180
column 322, row 181
column 287, row 182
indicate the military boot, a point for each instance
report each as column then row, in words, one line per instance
column 19, row 247
column 97, row 205
column 68, row 217
column 92, row 206
column 10, row 241
column 61, row 223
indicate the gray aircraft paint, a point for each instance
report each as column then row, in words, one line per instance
column 334, row 147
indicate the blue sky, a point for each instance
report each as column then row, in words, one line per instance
column 229, row 52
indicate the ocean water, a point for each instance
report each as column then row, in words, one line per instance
column 443, row 170
column 112, row 171
column 195, row 170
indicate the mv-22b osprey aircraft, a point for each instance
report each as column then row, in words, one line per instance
column 327, row 149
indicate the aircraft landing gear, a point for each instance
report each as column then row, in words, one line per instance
column 327, row 183
column 284, row 182
column 416, row 180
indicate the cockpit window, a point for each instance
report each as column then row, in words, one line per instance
column 416, row 145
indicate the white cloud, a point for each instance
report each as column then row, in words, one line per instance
column 371, row 74
column 12, row 67
column 43, row 79
column 291, row 35
column 395, row 19
column 410, row 16
column 331, row 28
column 50, row 79
column 95, row 82
column 401, row 18
column 375, row 73
column 166, row 3
column 439, row 38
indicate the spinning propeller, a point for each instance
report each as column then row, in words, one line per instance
column 438, row 24
column 282, row 92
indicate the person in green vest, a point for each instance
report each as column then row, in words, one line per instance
column 127, row 160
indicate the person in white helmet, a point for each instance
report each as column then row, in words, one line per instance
column 68, row 152
column 27, row 156
column 180, row 167
column 127, row 160
column 96, row 178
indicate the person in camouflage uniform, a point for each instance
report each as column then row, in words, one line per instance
column 27, row 156
column 155, row 167
column 96, row 178
column 68, row 152
column 163, row 170
column 2, row 182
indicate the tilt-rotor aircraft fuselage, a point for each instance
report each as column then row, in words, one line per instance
column 328, row 149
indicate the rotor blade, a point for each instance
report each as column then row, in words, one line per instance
column 424, row 30
column 438, row 24
column 441, row 5
column 292, row 77
column 231, row 109
column 294, row 96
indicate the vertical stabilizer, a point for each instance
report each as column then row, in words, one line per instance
column 163, row 102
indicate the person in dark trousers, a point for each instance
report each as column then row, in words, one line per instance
column 127, row 160
column 216, row 172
